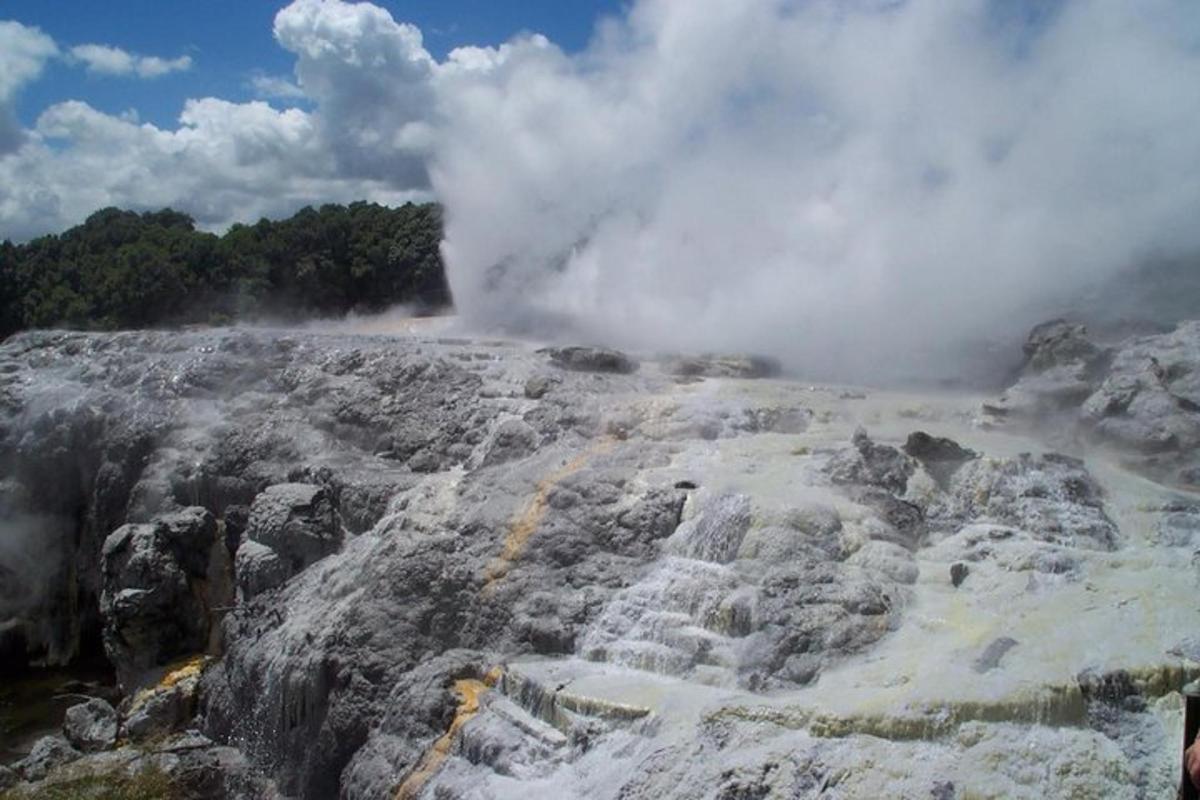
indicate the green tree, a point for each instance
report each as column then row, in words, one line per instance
column 124, row 269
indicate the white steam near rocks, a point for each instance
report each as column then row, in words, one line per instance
column 846, row 185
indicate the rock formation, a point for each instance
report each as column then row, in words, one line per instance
column 357, row 566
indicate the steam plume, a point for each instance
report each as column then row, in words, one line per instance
column 847, row 185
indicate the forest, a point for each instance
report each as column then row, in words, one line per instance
column 124, row 269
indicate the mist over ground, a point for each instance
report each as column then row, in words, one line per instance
column 857, row 188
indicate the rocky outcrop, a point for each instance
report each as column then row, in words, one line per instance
column 591, row 359
column 48, row 753
column 476, row 569
column 297, row 523
column 167, row 705
column 156, row 599
column 305, row 677
column 1062, row 367
column 871, row 464
column 1142, row 396
column 70, row 458
column 1050, row 497
column 511, row 439
column 723, row 366
column 940, row 456
column 259, row 569
column 183, row 767
column 101, row 430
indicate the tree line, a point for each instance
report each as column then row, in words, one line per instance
column 122, row 269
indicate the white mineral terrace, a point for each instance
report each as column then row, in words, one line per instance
column 909, row 708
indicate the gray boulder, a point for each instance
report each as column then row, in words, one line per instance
column 259, row 569
column 1062, row 367
column 298, row 521
column 48, row 753
column 591, row 359
column 940, row 456
column 870, row 464
column 537, row 386
column 1149, row 402
column 91, row 726
column 157, row 598
column 161, row 711
column 512, row 439
column 1059, row 343
column 723, row 366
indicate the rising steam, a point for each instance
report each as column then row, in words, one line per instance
column 851, row 185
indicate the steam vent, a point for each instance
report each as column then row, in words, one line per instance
column 600, row 400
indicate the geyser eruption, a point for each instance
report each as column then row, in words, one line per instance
column 851, row 186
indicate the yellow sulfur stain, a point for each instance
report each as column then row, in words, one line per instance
column 527, row 523
column 469, row 692
column 176, row 673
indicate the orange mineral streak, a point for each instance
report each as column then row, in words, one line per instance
column 469, row 691
column 527, row 523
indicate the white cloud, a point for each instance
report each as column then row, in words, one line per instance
column 268, row 86
column 368, row 138
column 102, row 59
column 24, row 52
column 371, row 78
column 225, row 162
column 153, row 66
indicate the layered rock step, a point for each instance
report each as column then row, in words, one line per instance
column 676, row 622
column 533, row 722
column 682, row 618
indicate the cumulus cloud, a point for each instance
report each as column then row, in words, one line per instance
column 371, row 78
column 225, row 162
column 103, row 59
column 276, row 86
column 849, row 186
column 367, row 138
column 24, row 52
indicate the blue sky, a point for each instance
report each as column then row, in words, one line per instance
column 230, row 42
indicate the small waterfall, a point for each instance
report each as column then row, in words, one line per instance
column 716, row 534
column 684, row 618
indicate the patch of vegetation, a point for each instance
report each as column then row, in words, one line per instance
column 121, row 269
column 149, row 783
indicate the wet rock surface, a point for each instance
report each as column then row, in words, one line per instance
column 433, row 568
